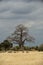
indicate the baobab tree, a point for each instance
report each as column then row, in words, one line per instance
column 21, row 35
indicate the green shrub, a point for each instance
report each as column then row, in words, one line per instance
column 6, row 45
column 16, row 48
column 40, row 47
column 27, row 48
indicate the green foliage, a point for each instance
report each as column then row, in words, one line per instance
column 27, row 48
column 6, row 45
column 16, row 48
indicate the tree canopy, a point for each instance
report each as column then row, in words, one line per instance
column 21, row 35
column 6, row 45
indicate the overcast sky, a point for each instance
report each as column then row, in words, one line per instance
column 27, row 12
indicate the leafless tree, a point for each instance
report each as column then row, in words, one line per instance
column 21, row 35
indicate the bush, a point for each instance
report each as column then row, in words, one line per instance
column 0, row 47
column 36, row 48
column 16, row 48
column 27, row 48
column 40, row 47
column 6, row 45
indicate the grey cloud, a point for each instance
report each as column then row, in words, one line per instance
column 22, row 10
column 32, row 0
column 0, row 0
column 27, row 12
column 22, row 0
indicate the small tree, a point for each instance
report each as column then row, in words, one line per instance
column 6, row 45
column 21, row 35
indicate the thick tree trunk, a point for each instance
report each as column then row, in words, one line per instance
column 21, row 46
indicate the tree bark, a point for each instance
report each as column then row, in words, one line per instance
column 21, row 46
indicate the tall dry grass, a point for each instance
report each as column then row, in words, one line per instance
column 20, row 58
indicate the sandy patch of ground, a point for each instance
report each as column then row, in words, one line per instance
column 19, row 58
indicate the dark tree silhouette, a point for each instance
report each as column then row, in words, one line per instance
column 6, row 45
column 41, row 47
column 0, row 46
column 21, row 35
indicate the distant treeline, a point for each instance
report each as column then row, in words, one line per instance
column 6, row 45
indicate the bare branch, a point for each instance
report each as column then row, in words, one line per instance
column 21, row 35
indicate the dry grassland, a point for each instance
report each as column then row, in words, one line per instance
column 20, row 58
